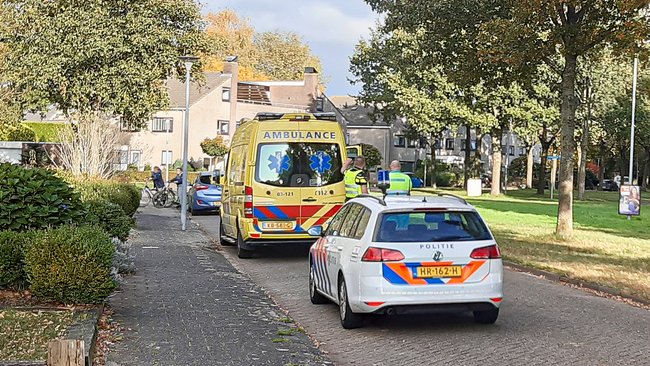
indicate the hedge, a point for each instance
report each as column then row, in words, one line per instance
column 110, row 217
column 46, row 131
column 12, row 259
column 126, row 195
column 71, row 265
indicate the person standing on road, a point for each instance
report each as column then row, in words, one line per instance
column 356, row 178
column 400, row 183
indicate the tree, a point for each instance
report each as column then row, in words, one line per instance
column 215, row 147
column 261, row 56
column 372, row 155
column 98, row 57
column 487, row 37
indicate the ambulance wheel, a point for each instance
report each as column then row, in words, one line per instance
column 222, row 234
column 314, row 295
column 241, row 252
column 349, row 320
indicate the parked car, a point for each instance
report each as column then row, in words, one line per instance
column 402, row 255
column 609, row 185
column 415, row 180
column 205, row 195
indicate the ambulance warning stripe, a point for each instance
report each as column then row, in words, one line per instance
column 311, row 215
column 402, row 273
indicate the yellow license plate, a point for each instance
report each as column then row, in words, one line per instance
column 439, row 271
column 278, row 225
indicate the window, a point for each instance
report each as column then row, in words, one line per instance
column 167, row 157
column 206, row 163
column 136, row 156
column 223, row 127
column 423, row 142
column 473, row 143
column 237, row 169
column 335, row 225
column 522, row 151
column 431, row 226
column 225, row 94
column 511, row 151
column 319, row 104
column 410, row 143
column 438, row 145
column 407, row 166
column 298, row 164
column 347, row 228
column 126, row 126
column 400, row 141
column 160, row 124
column 449, row 144
column 362, row 224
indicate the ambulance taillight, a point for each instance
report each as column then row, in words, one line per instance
column 248, row 202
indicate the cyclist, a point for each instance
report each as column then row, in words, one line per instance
column 156, row 176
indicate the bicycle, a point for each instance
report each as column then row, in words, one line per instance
column 166, row 197
column 147, row 195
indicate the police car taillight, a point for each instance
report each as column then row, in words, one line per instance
column 248, row 202
column 491, row 252
column 373, row 254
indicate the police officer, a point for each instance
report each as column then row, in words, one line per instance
column 356, row 179
column 400, row 183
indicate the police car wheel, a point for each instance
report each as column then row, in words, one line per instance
column 349, row 320
column 241, row 252
column 486, row 316
column 314, row 295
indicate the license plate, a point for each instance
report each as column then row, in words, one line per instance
column 439, row 271
column 278, row 225
column 216, row 203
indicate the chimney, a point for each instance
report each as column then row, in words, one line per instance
column 231, row 66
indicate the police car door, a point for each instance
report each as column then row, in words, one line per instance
column 339, row 247
column 320, row 259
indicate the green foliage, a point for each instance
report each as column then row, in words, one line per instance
column 372, row 155
column 214, row 147
column 35, row 198
column 70, row 265
column 93, row 56
column 125, row 195
column 12, row 259
column 19, row 133
column 45, row 131
column 446, row 179
column 110, row 217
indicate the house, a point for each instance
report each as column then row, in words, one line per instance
column 216, row 108
column 391, row 138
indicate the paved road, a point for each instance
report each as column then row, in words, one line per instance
column 541, row 323
column 186, row 305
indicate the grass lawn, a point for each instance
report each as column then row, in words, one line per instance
column 606, row 248
column 24, row 334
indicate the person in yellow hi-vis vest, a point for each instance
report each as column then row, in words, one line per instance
column 356, row 178
column 400, row 183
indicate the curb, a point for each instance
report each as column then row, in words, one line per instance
column 572, row 281
column 85, row 330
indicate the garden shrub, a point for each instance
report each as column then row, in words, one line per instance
column 123, row 261
column 35, row 198
column 21, row 133
column 12, row 259
column 110, row 217
column 445, row 179
column 126, row 195
column 71, row 265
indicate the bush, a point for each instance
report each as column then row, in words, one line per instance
column 46, row 131
column 446, row 179
column 123, row 262
column 70, row 265
column 110, row 217
column 35, row 198
column 126, row 195
column 12, row 259
column 21, row 133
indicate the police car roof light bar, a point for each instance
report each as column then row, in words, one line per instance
column 452, row 196
column 378, row 199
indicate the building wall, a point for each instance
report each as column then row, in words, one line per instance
column 375, row 136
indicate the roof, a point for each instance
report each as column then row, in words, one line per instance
column 411, row 202
column 343, row 101
column 276, row 83
column 51, row 115
column 176, row 88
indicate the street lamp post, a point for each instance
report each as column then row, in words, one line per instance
column 636, row 66
column 188, row 61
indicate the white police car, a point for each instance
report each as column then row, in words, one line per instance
column 407, row 254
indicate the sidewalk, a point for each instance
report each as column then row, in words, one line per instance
column 186, row 305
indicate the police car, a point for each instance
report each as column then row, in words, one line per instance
column 406, row 254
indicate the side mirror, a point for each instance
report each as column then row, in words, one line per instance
column 315, row 231
column 383, row 181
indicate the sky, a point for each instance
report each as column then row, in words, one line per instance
column 330, row 27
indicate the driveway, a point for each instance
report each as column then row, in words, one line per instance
column 540, row 323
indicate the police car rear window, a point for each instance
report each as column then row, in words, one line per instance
column 431, row 226
column 298, row 164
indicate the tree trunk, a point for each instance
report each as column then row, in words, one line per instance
column 646, row 171
column 478, row 154
column 433, row 162
column 601, row 166
column 584, row 145
column 468, row 154
column 543, row 157
column 564, row 227
column 529, row 167
column 496, row 135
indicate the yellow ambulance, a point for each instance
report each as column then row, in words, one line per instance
column 283, row 176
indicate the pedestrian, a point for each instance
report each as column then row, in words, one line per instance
column 156, row 176
column 178, row 180
column 400, row 183
column 356, row 178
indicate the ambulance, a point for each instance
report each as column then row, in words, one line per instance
column 283, row 176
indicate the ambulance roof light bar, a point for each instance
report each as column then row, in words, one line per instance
column 268, row 116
